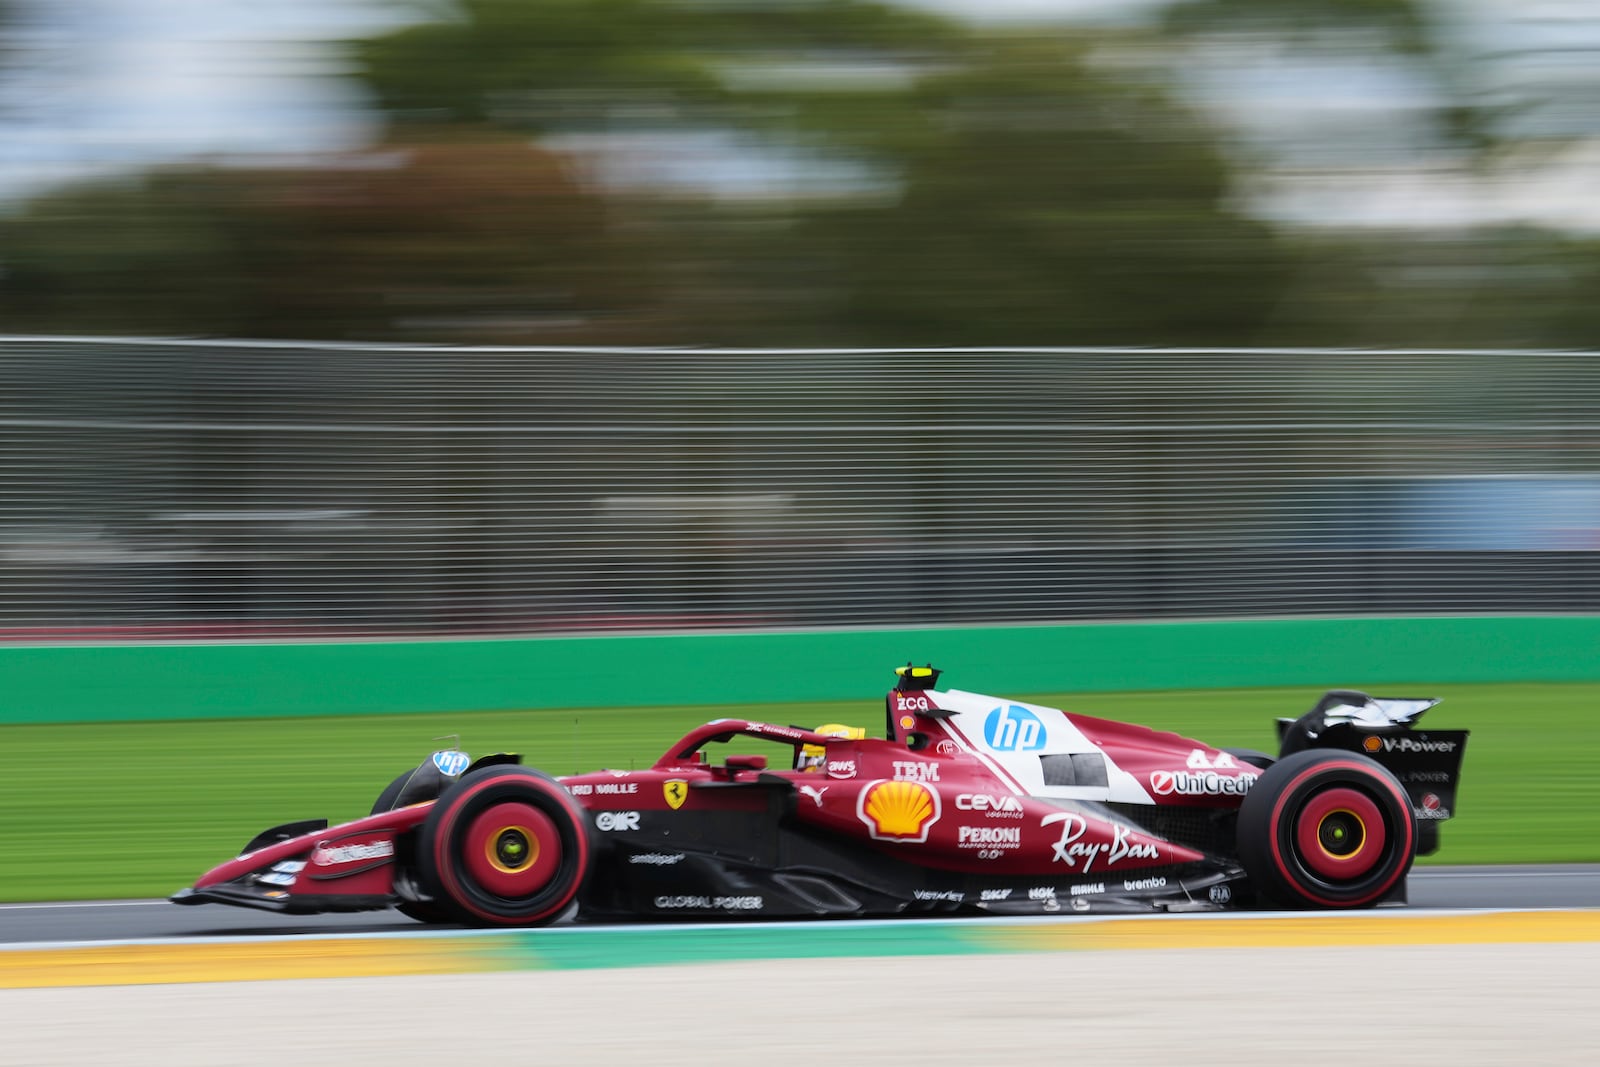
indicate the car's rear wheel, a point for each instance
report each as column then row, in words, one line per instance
column 506, row 846
column 1324, row 829
column 1254, row 757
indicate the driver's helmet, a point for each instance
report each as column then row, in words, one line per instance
column 812, row 757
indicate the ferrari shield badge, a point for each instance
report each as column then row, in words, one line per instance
column 677, row 791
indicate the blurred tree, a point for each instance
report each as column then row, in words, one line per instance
column 919, row 182
column 8, row 45
column 561, row 65
column 153, row 256
column 477, row 239
column 1401, row 25
column 995, row 190
column 435, row 237
column 1470, row 125
column 1003, row 190
column 1040, row 203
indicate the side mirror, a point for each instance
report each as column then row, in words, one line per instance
column 747, row 763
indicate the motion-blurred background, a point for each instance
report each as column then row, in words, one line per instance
column 757, row 216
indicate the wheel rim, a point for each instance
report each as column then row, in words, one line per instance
column 1340, row 834
column 511, row 850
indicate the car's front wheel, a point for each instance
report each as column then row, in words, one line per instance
column 506, row 846
column 411, row 909
column 1326, row 829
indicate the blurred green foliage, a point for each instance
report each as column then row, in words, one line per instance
column 157, row 804
column 926, row 183
column 444, row 232
column 1402, row 25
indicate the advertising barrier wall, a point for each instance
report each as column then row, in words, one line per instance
column 99, row 683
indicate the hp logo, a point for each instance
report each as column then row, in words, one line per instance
column 1013, row 729
column 451, row 763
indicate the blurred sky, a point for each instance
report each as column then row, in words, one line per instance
column 102, row 86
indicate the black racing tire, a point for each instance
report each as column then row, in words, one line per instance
column 423, row 913
column 391, row 793
column 1252, row 756
column 506, row 846
column 1326, row 829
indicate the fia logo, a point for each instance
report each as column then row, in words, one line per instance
column 1013, row 728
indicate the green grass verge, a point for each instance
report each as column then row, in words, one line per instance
column 140, row 809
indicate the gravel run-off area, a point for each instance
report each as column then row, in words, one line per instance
column 1456, row 1005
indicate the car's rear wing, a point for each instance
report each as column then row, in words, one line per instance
column 1427, row 763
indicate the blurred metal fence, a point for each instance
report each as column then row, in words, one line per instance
column 182, row 488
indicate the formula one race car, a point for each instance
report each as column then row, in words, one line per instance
column 969, row 803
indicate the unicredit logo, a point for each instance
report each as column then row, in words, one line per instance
column 1207, row 783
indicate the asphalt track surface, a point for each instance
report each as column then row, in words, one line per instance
column 1576, row 886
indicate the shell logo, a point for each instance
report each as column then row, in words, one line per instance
column 1372, row 744
column 898, row 811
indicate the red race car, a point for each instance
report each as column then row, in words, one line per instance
column 968, row 803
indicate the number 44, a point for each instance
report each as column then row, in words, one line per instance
column 1199, row 759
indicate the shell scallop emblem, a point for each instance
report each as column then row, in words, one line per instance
column 898, row 811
